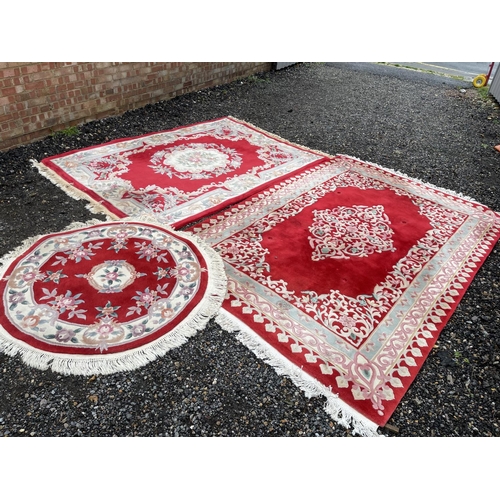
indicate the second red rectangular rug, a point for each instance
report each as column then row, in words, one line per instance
column 343, row 276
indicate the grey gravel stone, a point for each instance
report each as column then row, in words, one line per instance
column 419, row 124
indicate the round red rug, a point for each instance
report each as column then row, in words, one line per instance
column 106, row 297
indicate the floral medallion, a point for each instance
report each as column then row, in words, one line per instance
column 345, row 232
column 112, row 276
column 196, row 161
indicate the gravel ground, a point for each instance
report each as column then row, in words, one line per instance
column 420, row 124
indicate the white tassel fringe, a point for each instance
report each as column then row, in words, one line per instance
column 335, row 407
column 73, row 192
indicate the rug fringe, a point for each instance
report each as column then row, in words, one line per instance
column 281, row 139
column 93, row 207
column 128, row 360
column 407, row 177
column 335, row 407
column 7, row 259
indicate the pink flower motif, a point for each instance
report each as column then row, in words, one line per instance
column 146, row 251
column 185, row 254
column 61, row 241
column 147, row 298
column 162, row 273
column 30, row 321
column 104, row 330
column 182, row 271
column 64, row 335
column 17, row 297
column 138, row 330
column 66, row 302
column 167, row 313
column 79, row 253
column 186, row 292
column 347, row 321
column 32, row 276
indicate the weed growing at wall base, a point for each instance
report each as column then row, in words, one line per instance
column 68, row 132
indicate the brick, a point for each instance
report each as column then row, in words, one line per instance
column 87, row 75
column 63, row 71
column 9, row 72
column 40, row 75
column 7, row 99
column 32, row 68
column 36, row 84
column 105, row 78
column 4, row 117
column 8, row 91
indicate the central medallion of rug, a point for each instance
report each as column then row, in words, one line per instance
column 345, row 232
column 343, row 276
column 107, row 297
column 178, row 175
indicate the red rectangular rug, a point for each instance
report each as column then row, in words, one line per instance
column 177, row 175
column 343, row 276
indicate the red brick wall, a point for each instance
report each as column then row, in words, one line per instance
column 37, row 99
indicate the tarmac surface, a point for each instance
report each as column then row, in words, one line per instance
column 434, row 128
column 465, row 71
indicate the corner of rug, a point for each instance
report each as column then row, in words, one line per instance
column 339, row 411
column 413, row 179
column 93, row 206
column 68, row 188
